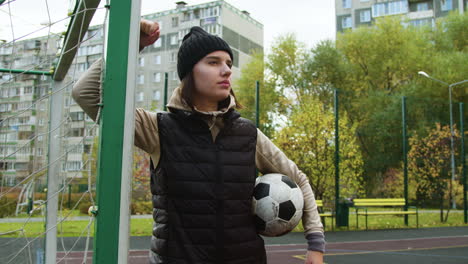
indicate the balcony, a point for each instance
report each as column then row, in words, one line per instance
column 420, row 14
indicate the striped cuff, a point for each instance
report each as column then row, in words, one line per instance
column 316, row 241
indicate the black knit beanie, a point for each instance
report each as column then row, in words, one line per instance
column 196, row 45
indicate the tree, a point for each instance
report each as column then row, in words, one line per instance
column 270, row 99
column 308, row 140
column 141, row 175
column 430, row 166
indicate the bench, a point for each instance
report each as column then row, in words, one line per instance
column 323, row 214
column 363, row 204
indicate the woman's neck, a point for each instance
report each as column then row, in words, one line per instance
column 205, row 105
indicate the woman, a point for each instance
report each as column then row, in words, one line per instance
column 204, row 158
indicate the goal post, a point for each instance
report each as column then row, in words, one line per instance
column 116, row 133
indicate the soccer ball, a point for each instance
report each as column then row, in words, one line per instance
column 277, row 204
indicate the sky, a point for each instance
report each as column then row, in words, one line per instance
column 311, row 20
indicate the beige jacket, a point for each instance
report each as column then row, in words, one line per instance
column 268, row 158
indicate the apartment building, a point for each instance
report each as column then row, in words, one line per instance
column 23, row 139
column 354, row 13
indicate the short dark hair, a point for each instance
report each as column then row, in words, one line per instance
column 188, row 88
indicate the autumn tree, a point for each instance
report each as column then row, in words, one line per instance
column 430, row 167
column 141, row 175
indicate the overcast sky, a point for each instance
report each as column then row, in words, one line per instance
column 310, row 20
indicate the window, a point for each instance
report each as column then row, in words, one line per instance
column 41, row 122
column 210, row 11
column 39, row 151
column 346, row 3
column 421, row 22
column 389, row 8
column 156, row 95
column 173, row 57
column 90, row 132
column 73, row 166
column 87, row 149
column 175, row 21
column 77, row 116
column 28, row 90
column 40, row 138
column 157, row 44
column 446, row 5
column 174, row 76
column 140, row 96
column 212, row 29
column 183, row 32
column 422, row 6
column 141, row 62
column 141, row 79
column 77, row 132
column 364, row 16
column 346, row 22
column 10, row 180
column 157, row 59
column 174, row 40
column 157, row 77
column 187, row 16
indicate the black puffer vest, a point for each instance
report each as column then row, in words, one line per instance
column 202, row 192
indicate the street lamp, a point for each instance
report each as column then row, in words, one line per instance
column 452, row 154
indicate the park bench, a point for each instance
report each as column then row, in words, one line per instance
column 362, row 206
column 324, row 214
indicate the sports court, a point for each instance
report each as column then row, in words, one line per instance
column 424, row 245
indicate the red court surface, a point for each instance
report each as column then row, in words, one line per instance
column 448, row 249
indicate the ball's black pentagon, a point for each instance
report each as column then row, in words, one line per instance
column 261, row 190
column 288, row 181
column 286, row 210
column 259, row 224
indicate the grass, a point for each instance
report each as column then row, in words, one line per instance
column 395, row 221
column 144, row 227
column 139, row 227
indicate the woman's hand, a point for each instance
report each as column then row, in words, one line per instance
column 149, row 33
column 314, row 257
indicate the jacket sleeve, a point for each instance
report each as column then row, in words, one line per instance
column 270, row 159
column 87, row 93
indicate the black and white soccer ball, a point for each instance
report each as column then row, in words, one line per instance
column 277, row 204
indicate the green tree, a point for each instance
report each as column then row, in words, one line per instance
column 270, row 99
column 308, row 140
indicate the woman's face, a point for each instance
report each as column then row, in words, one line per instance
column 212, row 76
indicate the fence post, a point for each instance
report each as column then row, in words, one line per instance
column 463, row 162
column 337, row 160
column 405, row 156
column 166, row 77
column 257, row 104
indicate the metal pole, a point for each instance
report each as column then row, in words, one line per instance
column 53, row 173
column 405, row 157
column 257, row 104
column 463, row 160
column 337, row 159
column 69, row 196
column 166, row 77
column 452, row 152
column 116, row 134
column 26, row 72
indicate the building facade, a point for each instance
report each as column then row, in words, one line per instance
column 354, row 13
column 23, row 138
